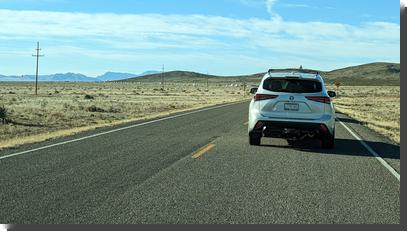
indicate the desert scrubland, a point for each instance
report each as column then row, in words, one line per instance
column 378, row 107
column 63, row 109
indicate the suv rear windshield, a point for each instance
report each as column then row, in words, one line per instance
column 292, row 85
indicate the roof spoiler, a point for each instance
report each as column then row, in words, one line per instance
column 294, row 70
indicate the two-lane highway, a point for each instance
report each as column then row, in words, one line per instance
column 198, row 168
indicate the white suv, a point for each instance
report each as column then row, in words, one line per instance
column 293, row 105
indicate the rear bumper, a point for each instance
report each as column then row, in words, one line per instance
column 288, row 130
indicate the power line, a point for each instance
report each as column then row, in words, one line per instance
column 36, row 72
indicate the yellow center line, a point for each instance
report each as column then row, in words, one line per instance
column 203, row 150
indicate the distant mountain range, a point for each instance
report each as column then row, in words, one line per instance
column 374, row 74
column 76, row 77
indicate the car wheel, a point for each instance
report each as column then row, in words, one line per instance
column 292, row 142
column 254, row 139
column 328, row 142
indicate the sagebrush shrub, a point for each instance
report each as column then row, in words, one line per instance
column 3, row 114
column 89, row 97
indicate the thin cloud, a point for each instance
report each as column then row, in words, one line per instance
column 270, row 4
column 290, row 5
column 129, row 36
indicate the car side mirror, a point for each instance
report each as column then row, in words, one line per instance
column 254, row 90
column 332, row 94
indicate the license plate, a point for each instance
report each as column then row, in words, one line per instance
column 291, row 107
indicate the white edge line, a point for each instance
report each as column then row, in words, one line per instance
column 115, row 130
column 377, row 156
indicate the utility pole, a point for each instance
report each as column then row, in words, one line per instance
column 207, row 81
column 162, row 78
column 244, row 88
column 36, row 72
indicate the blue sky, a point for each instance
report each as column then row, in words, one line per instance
column 225, row 37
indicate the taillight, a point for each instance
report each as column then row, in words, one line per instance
column 324, row 129
column 259, row 97
column 321, row 99
column 259, row 125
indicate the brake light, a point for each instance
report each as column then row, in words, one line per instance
column 324, row 129
column 259, row 125
column 259, row 97
column 321, row 99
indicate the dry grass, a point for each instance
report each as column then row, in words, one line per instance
column 378, row 107
column 67, row 108
column 64, row 109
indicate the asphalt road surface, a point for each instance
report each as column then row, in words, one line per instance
column 199, row 168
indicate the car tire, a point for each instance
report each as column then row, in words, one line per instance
column 254, row 139
column 328, row 142
column 292, row 142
